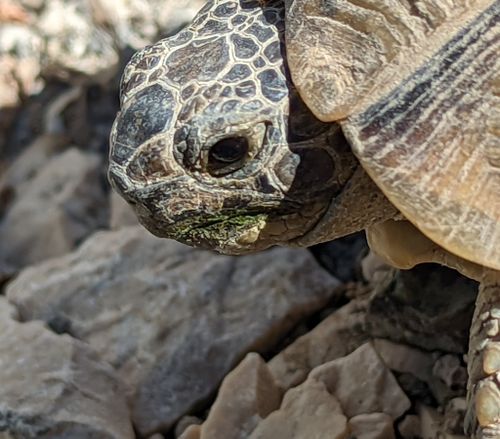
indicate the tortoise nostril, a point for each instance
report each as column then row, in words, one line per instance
column 227, row 155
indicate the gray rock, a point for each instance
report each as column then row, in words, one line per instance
column 121, row 213
column 173, row 320
column 27, row 164
column 54, row 387
column 62, row 204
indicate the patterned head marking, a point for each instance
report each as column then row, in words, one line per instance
column 212, row 145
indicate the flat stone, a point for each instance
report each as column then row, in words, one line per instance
column 363, row 384
column 171, row 319
column 55, row 387
column 371, row 426
column 247, row 395
column 62, row 204
column 307, row 411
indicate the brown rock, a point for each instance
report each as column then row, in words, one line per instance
column 307, row 411
column 247, row 395
column 335, row 337
column 173, row 320
column 62, row 204
column 54, row 387
column 192, row 432
column 371, row 426
column 363, row 384
column 184, row 423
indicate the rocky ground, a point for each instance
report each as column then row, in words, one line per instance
column 109, row 332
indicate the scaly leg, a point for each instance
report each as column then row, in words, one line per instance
column 483, row 389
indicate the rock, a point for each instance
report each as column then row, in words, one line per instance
column 121, row 213
column 430, row 422
column 247, row 395
column 19, row 71
column 11, row 12
column 371, row 426
column 63, row 203
column 15, row 180
column 405, row 359
column 373, row 267
column 184, row 423
column 20, row 48
column 137, row 23
column 171, row 319
column 451, row 372
column 335, row 337
column 77, row 48
column 429, row 306
column 363, row 384
column 454, row 416
column 444, row 376
column 307, row 411
column 192, row 432
column 409, row 427
column 55, row 387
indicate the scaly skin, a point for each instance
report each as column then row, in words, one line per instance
column 224, row 77
column 213, row 147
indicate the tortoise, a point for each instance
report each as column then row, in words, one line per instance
column 299, row 121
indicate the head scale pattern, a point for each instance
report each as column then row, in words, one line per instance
column 213, row 146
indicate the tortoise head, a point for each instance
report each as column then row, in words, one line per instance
column 213, row 147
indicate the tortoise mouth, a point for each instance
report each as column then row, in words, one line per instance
column 228, row 234
column 235, row 234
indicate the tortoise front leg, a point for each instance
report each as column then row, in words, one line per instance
column 483, row 389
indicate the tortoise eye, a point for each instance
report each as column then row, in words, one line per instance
column 227, row 155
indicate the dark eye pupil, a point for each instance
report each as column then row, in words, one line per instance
column 229, row 150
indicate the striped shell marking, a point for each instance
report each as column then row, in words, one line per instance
column 433, row 144
column 425, row 120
